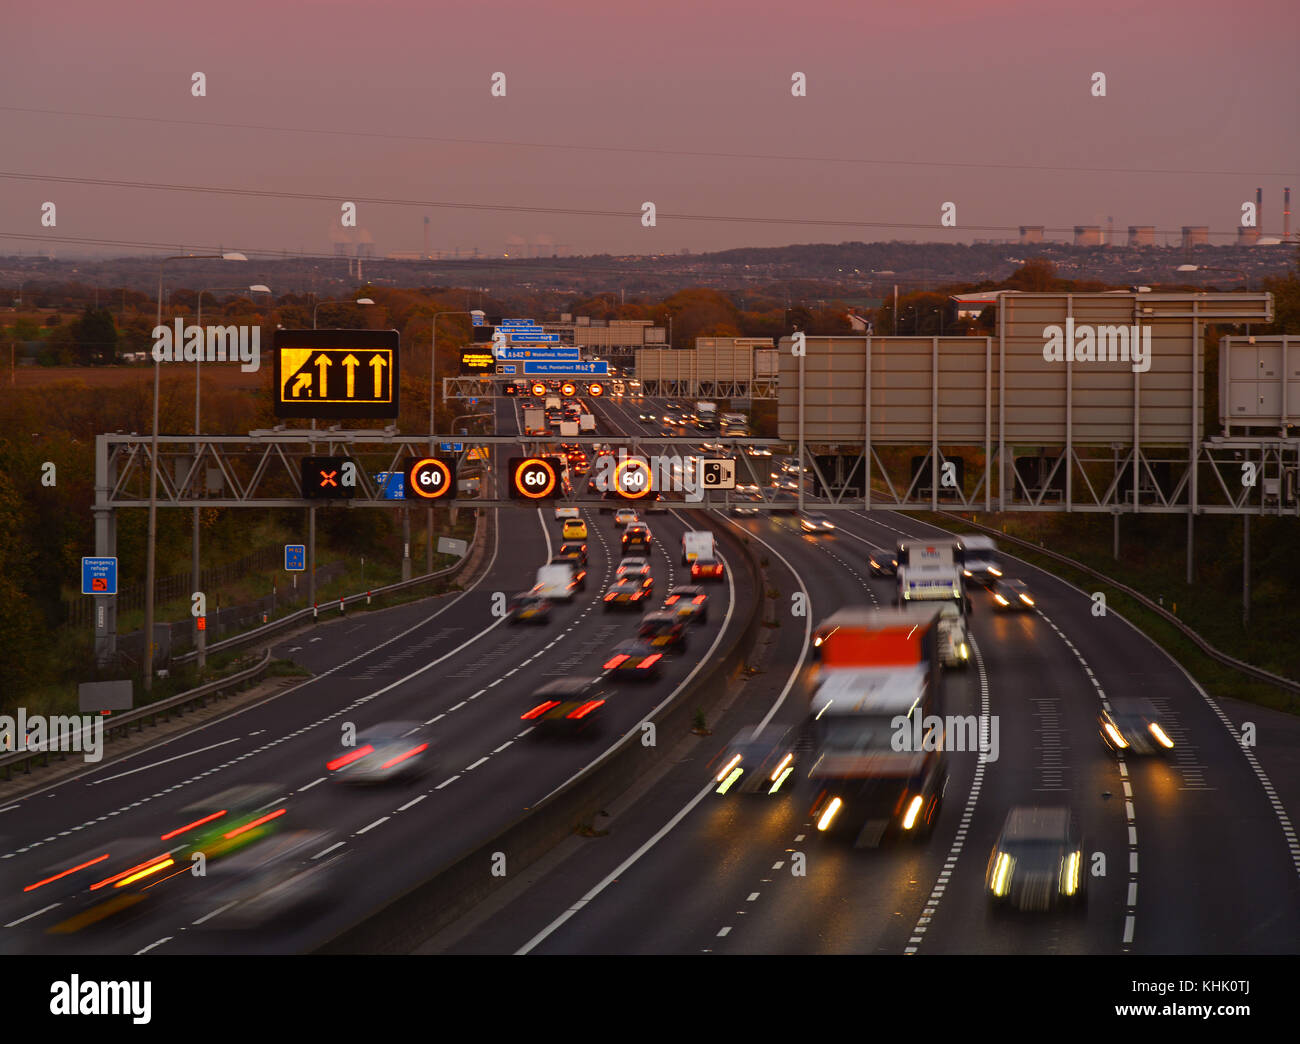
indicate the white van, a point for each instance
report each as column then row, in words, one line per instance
column 556, row 583
column 697, row 544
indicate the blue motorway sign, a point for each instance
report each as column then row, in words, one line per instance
column 518, row 322
column 566, row 369
column 295, row 558
column 478, row 320
column 451, row 447
column 532, row 338
column 506, row 369
column 552, row 354
column 99, row 576
column 392, row 485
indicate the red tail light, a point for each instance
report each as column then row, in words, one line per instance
column 190, row 826
column 615, row 662
column 255, row 823
column 539, row 710
column 650, row 661
column 585, row 709
column 91, row 862
column 672, row 600
column 699, row 599
column 350, row 757
column 402, row 757
column 611, row 596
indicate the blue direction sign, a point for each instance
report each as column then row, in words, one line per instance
column 532, row 338
column 451, row 447
column 566, row 369
column 518, row 322
column 506, row 369
column 546, row 354
column 392, row 485
column 99, row 576
column 295, row 558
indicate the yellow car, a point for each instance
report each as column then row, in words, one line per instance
column 575, row 529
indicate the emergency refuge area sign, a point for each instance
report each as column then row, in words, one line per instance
column 336, row 373
column 99, row 576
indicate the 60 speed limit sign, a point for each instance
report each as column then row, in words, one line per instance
column 430, row 478
column 534, row 478
column 632, row 479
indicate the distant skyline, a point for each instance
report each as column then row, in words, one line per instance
column 988, row 107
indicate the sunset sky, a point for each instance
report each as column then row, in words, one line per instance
column 609, row 105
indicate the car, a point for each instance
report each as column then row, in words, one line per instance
column 221, row 824
column 629, row 593
column 747, row 508
column 391, row 752
column 757, row 760
column 529, row 608
column 625, row 517
column 689, row 602
column 574, row 529
column 815, row 522
column 579, row 570
column 636, row 536
column 567, row 706
column 1011, row 595
column 707, row 568
column 882, row 561
column 635, row 567
column 575, row 550
column 783, row 503
column 635, row 659
column 1132, row 726
column 285, row 875
column 1038, row 861
column 563, row 514
column 663, row 630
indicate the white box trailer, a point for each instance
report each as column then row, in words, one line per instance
column 697, row 544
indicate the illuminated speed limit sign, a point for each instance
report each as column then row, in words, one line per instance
column 568, row 390
column 430, row 478
column 539, row 389
column 632, row 479
column 534, row 478
column 595, row 390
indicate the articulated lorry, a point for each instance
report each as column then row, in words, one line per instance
column 874, row 684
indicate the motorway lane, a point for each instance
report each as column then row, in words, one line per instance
column 398, row 851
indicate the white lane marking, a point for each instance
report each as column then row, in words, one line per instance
column 165, row 938
column 312, row 784
column 752, row 897
column 617, row 872
column 327, row 851
column 457, row 707
column 413, row 802
column 723, row 931
column 438, row 718
column 476, row 764
column 503, row 746
column 447, row 782
column 10, row 808
column 38, row 913
column 165, row 761
column 219, row 909
column 378, row 822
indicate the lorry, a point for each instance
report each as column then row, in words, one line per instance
column 535, row 422
column 735, row 424
column 587, row 423
column 697, row 544
column 556, row 583
column 878, row 766
column 941, row 586
column 706, row 414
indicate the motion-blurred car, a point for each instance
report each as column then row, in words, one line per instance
column 783, row 503
column 574, row 549
column 663, row 630
column 629, row 593
column 1011, row 594
column 574, row 529
column 689, row 602
column 636, row 567
column 273, row 880
column 101, row 882
column 883, row 561
column 707, row 568
column 394, row 751
column 529, row 608
column 1037, row 863
column 757, row 761
column 635, row 659
column 624, row 517
column 746, row 506
column 579, row 570
column 636, row 537
column 222, row 823
column 563, row 514
column 815, row 522
column 567, row 706
column 1132, row 726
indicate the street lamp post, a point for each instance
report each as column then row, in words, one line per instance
column 201, row 636
column 153, row 467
